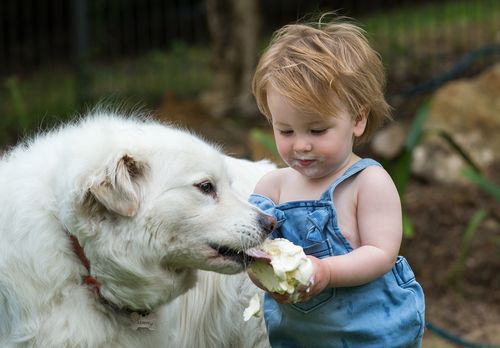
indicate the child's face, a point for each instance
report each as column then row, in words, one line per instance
column 313, row 145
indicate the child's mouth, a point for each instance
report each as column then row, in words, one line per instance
column 305, row 162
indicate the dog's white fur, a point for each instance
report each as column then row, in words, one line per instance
column 150, row 205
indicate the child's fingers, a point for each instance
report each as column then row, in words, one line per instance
column 280, row 298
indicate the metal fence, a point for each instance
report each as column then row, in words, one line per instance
column 34, row 33
column 38, row 33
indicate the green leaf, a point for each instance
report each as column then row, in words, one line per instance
column 400, row 168
column 17, row 102
column 465, row 156
column 400, row 171
column 490, row 187
column 416, row 128
column 266, row 140
column 408, row 231
column 474, row 222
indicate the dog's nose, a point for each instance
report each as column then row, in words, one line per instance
column 267, row 223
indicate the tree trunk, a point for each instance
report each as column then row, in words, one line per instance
column 234, row 30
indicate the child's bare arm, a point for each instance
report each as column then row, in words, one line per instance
column 380, row 230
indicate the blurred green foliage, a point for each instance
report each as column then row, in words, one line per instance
column 38, row 101
column 456, row 274
column 400, row 167
column 28, row 105
column 440, row 26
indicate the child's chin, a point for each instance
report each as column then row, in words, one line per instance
column 312, row 172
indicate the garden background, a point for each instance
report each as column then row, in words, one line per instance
column 190, row 63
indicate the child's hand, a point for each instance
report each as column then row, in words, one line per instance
column 319, row 280
column 280, row 267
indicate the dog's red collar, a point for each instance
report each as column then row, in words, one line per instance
column 145, row 318
column 88, row 279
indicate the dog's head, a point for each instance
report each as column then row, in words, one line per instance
column 150, row 216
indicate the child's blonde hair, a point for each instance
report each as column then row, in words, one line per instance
column 307, row 62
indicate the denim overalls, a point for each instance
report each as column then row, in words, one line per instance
column 388, row 312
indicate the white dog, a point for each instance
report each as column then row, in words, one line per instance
column 104, row 221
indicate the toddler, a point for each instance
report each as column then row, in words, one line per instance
column 321, row 87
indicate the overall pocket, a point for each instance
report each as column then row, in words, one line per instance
column 402, row 272
column 319, row 250
column 405, row 279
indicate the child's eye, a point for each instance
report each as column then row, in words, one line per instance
column 318, row 131
column 286, row 132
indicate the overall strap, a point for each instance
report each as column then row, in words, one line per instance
column 352, row 170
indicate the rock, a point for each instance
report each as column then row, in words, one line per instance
column 469, row 111
column 389, row 141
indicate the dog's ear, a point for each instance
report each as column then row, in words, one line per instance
column 119, row 190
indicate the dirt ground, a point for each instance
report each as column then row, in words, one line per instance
column 468, row 307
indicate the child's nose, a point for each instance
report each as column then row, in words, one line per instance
column 302, row 144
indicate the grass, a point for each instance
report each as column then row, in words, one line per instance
column 37, row 101
column 432, row 15
column 183, row 70
column 426, row 39
column 456, row 275
column 434, row 20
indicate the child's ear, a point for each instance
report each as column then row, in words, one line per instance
column 360, row 122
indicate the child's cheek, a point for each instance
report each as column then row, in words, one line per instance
column 283, row 148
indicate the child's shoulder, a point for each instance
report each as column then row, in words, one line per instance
column 374, row 172
column 375, row 179
column 270, row 184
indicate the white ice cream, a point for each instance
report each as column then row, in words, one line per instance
column 288, row 269
column 253, row 309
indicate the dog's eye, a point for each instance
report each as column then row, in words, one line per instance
column 206, row 187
